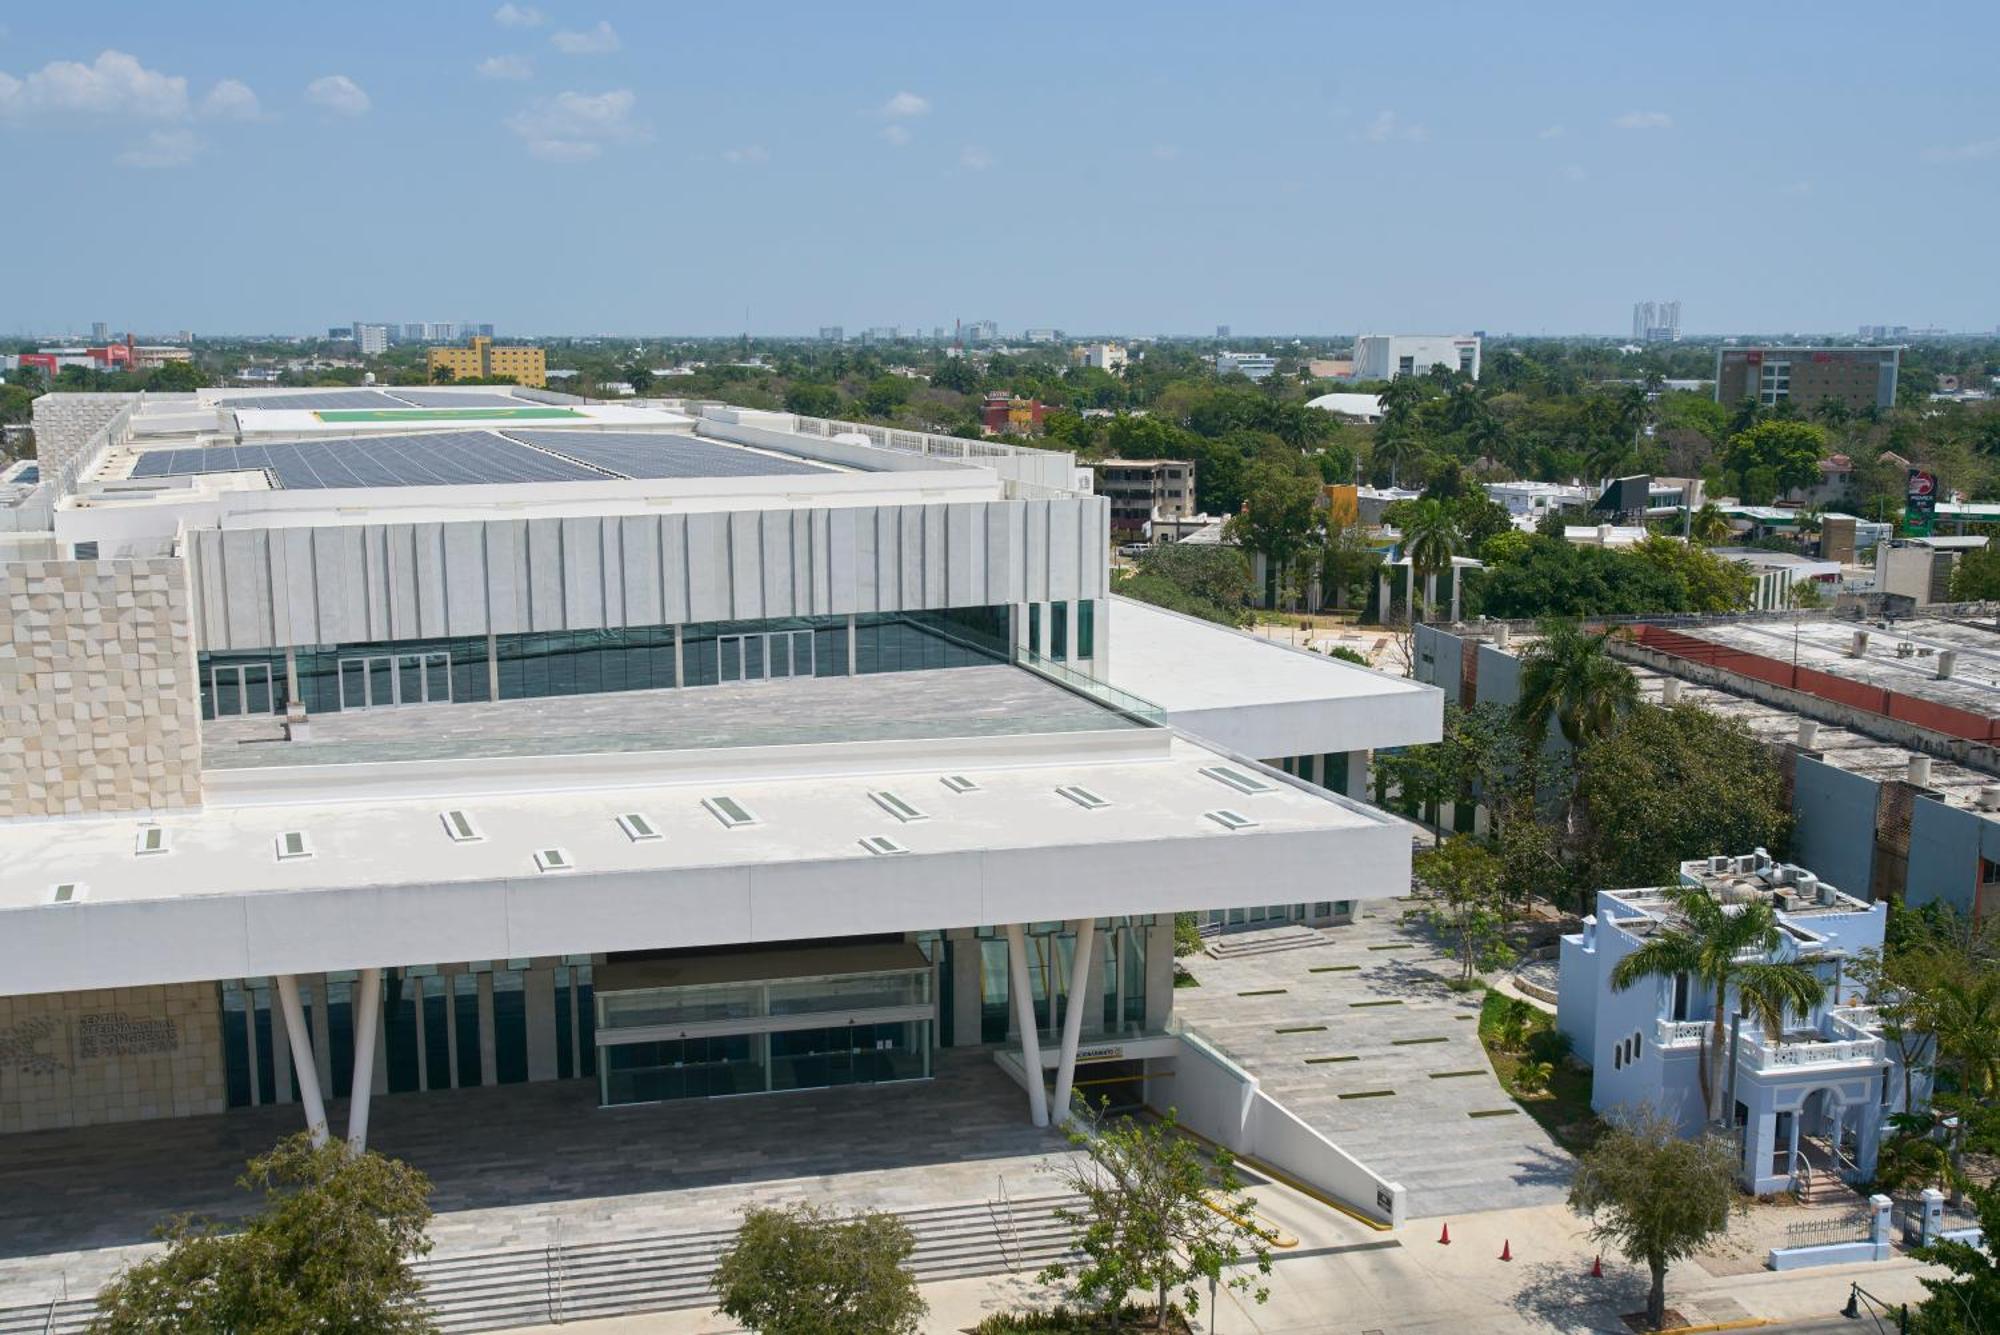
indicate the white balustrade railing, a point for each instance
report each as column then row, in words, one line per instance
column 1680, row 1033
column 1761, row 1054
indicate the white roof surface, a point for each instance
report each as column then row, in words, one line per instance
column 1259, row 698
column 1349, row 405
column 387, row 884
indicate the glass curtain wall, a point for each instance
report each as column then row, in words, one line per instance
column 1121, row 971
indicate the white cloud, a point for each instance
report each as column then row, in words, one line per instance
column 903, row 106
column 1552, row 132
column 231, row 100
column 898, row 135
column 1644, row 120
column 162, row 148
column 505, row 67
column 115, row 84
column 1574, row 172
column 339, row 94
column 600, row 40
column 575, row 127
column 1388, row 128
column 1972, row 152
column 750, row 155
column 518, row 16
column 974, row 158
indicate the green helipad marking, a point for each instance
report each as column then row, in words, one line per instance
column 1264, row 992
column 1453, row 1075
column 1359, row 1004
column 1333, row 968
column 1495, row 1112
column 337, row 415
column 1412, row 1042
column 1303, row 1029
column 1371, row 1094
column 1399, row 945
column 1325, row 1061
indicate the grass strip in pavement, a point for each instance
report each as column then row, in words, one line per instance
column 1333, row 968
column 1327, row 1061
column 1302, row 1029
column 1453, row 1075
column 1412, row 1042
column 1495, row 1112
column 1264, row 992
column 1396, row 945
column 1373, row 1094
column 1356, row 1005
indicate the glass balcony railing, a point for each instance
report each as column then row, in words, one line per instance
column 1136, row 707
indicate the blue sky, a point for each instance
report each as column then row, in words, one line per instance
column 578, row 166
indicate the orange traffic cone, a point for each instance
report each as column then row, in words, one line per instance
column 1597, row 1267
column 1444, row 1238
column 1506, row 1250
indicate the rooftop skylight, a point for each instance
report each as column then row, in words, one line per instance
column 460, row 826
column 1082, row 796
column 1240, row 780
column 882, row 845
column 896, row 806
column 637, row 828
column 1230, row 820
column 729, row 811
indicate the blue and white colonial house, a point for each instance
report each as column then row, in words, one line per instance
column 1815, row 1097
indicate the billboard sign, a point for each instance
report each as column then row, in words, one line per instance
column 1920, row 503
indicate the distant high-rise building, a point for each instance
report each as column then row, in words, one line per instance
column 982, row 331
column 1386, row 356
column 99, row 331
column 440, row 331
column 1043, row 335
column 373, row 339
column 1222, row 331
column 484, row 331
column 1656, row 322
column 832, row 333
column 413, row 332
column 341, row 333
column 1254, row 365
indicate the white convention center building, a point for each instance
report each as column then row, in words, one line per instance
column 390, row 741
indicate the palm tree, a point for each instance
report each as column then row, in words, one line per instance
column 1707, row 945
column 1396, row 448
column 1708, row 525
column 1963, row 1013
column 1399, row 399
column 1570, row 676
column 1430, row 540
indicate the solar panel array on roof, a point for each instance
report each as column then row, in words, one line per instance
column 663, row 454
column 314, row 400
column 443, row 398
column 430, row 459
column 30, row 475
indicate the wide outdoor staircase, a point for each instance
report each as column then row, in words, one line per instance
column 1239, row 945
column 497, row 1290
column 69, row 1316
column 533, row 1286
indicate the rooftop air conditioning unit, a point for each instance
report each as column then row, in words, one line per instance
column 1808, row 885
column 1989, row 797
column 1718, row 864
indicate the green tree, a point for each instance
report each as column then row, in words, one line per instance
column 809, row 399
column 1712, row 583
column 1673, row 784
column 1791, row 451
column 175, row 378
column 1469, row 913
column 1976, row 577
column 1655, row 1197
column 1211, row 582
column 958, row 374
column 1966, row 1299
column 1554, row 578
column 1709, row 526
column 1156, row 1215
column 328, row 1251
column 884, row 395
column 1569, row 677
column 1280, row 515
column 803, row 1270
column 1707, row 942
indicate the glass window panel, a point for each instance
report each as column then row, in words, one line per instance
column 1059, row 631
column 228, row 691
column 1086, row 630
column 257, row 689
column 437, row 677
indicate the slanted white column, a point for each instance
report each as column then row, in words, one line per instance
column 302, row 1057
column 1430, row 595
column 1456, row 572
column 1079, row 1002
column 367, row 1022
column 1024, row 1014
column 1383, row 588
column 1410, row 593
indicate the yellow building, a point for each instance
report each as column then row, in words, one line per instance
column 481, row 360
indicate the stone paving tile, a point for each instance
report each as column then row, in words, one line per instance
column 1423, row 1136
column 526, row 1165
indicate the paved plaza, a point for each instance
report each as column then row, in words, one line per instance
column 527, row 1165
column 1362, row 1039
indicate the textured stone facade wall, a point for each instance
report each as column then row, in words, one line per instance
column 98, row 705
column 65, row 425
column 126, row 1054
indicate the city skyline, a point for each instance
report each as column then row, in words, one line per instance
column 821, row 170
